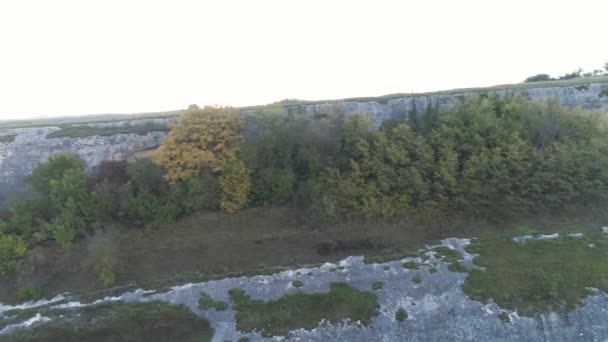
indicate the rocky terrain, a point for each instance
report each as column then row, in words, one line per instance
column 437, row 308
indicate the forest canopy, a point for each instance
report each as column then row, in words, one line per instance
column 490, row 157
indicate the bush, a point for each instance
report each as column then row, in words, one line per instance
column 12, row 250
column 401, row 315
column 539, row 78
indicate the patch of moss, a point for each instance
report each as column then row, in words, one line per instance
column 220, row 305
column 504, row 316
column 401, row 315
column 417, row 279
column 433, row 270
column 120, row 321
column 539, row 275
column 451, row 257
column 386, row 267
column 411, row 265
column 297, row 283
column 205, row 302
column 377, row 285
column 7, row 138
column 302, row 310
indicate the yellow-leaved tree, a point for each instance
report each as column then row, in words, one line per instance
column 208, row 138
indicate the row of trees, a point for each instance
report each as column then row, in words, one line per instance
column 490, row 157
column 575, row 74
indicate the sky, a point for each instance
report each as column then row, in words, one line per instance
column 89, row 57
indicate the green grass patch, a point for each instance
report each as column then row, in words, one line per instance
column 7, row 138
column 302, row 310
column 451, row 257
column 417, row 279
column 539, row 275
column 297, row 283
column 401, row 315
column 377, row 285
column 119, row 321
column 205, row 302
column 604, row 92
column 433, row 270
column 411, row 265
column 87, row 131
column 504, row 316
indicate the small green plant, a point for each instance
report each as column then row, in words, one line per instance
column 417, row 279
column 29, row 293
column 386, row 267
column 412, row 265
column 433, row 270
column 220, row 305
column 106, row 274
column 604, row 92
column 504, row 316
column 7, row 138
column 297, row 283
column 243, row 339
column 377, row 285
column 401, row 315
column 205, row 301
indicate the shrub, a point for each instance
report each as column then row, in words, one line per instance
column 297, row 283
column 12, row 250
column 401, row 315
column 417, row 279
column 377, row 285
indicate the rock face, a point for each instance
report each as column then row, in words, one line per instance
column 30, row 147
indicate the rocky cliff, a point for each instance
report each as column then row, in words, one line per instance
column 24, row 148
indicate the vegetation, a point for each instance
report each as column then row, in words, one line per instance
column 538, row 275
column 411, row 265
column 573, row 75
column 81, row 131
column 118, row 321
column 504, row 316
column 401, row 315
column 297, row 283
column 9, row 138
column 417, row 279
column 12, row 250
column 377, row 285
column 490, row 158
column 302, row 310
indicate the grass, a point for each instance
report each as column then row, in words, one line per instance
column 504, row 316
column 87, row 131
column 302, row 310
column 604, row 92
column 85, row 119
column 205, row 302
column 411, row 265
column 297, row 283
column 401, row 315
column 433, row 270
column 451, row 257
column 417, row 279
column 539, row 275
column 212, row 245
column 9, row 138
column 119, row 321
column 377, row 285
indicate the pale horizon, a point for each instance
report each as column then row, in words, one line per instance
column 66, row 58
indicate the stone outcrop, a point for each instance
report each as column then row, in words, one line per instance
column 31, row 147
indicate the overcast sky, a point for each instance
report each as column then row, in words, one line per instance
column 86, row 57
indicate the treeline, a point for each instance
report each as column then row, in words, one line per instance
column 490, row 157
column 575, row 74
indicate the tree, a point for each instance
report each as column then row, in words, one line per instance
column 208, row 139
column 202, row 138
column 606, row 66
column 538, row 78
column 12, row 250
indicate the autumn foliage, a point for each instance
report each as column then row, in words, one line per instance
column 203, row 139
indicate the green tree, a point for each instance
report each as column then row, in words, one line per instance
column 12, row 250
